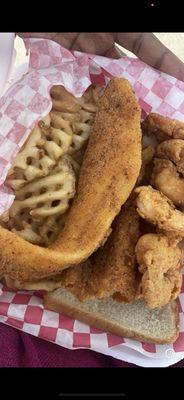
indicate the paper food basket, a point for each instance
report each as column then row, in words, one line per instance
column 24, row 91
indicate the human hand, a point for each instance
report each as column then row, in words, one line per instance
column 144, row 45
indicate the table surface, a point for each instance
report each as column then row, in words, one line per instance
column 19, row 349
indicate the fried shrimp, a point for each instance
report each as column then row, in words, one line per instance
column 159, row 210
column 163, row 128
column 166, row 179
column 159, row 263
column 173, row 150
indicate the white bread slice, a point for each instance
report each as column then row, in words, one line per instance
column 135, row 320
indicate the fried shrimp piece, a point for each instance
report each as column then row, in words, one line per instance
column 148, row 153
column 173, row 150
column 181, row 246
column 159, row 263
column 159, row 210
column 162, row 127
column 166, row 179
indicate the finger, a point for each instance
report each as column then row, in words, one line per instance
column 64, row 39
column 95, row 43
column 42, row 35
column 114, row 52
column 149, row 49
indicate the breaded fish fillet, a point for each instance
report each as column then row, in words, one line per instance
column 108, row 174
column 112, row 269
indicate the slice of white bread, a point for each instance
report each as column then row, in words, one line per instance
column 135, row 320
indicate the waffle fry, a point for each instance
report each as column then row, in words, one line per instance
column 44, row 173
column 51, row 228
column 93, row 93
column 21, row 170
column 66, row 102
column 37, row 212
column 39, row 155
column 65, row 106
column 42, row 232
column 46, row 196
column 59, row 122
column 28, row 234
column 79, row 130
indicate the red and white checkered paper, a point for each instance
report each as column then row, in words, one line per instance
column 20, row 108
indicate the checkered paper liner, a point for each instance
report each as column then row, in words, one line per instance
column 25, row 102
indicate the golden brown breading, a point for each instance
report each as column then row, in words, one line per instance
column 159, row 263
column 109, row 171
column 148, row 153
column 108, row 174
column 162, row 127
column 173, row 150
column 166, row 179
column 159, row 210
column 111, row 269
column 117, row 272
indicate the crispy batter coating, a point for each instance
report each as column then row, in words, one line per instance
column 159, row 263
column 112, row 269
column 159, row 210
column 109, row 170
column 108, row 174
column 163, row 128
column 148, row 153
column 173, row 150
column 115, row 264
column 166, row 179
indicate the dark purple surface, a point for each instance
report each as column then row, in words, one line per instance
column 19, row 349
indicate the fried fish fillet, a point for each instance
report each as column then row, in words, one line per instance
column 113, row 267
column 111, row 270
column 163, row 128
column 108, row 174
column 119, row 274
